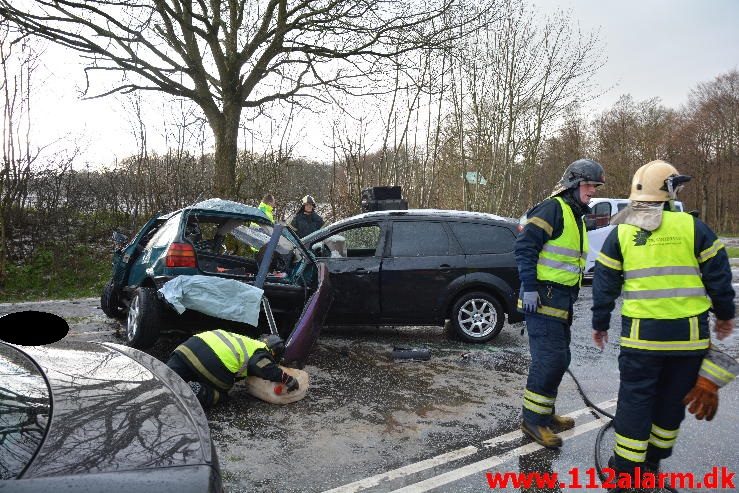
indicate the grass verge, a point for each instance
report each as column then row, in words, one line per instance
column 58, row 273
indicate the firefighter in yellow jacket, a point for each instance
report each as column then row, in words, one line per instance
column 672, row 269
column 212, row 361
column 550, row 253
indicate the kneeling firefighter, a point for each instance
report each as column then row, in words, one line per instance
column 550, row 253
column 211, row 362
column 672, row 269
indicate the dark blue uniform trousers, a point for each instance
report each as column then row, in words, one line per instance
column 549, row 345
column 650, row 407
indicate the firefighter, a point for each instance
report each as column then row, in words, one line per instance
column 212, row 361
column 672, row 269
column 307, row 220
column 550, row 253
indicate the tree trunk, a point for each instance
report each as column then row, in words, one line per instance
column 225, row 128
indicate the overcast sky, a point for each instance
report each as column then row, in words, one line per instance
column 654, row 48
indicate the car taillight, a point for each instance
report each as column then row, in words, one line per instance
column 181, row 255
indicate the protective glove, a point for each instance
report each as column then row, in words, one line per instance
column 530, row 301
column 291, row 383
column 702, row 400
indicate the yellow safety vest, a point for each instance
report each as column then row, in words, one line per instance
column 267, row 209
column 662, row 279
column 233, row 350
column 562, row 260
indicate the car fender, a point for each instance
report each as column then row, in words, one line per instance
column 483, row 281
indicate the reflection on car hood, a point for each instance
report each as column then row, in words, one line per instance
column 113, row 413
column 221, row 205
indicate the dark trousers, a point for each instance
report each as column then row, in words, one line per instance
column 206, row 393
column 549, row 345
column 650, row 407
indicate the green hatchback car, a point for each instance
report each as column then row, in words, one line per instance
column 218, row 238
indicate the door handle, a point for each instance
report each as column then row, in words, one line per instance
column 361, row 270
column 445, row 267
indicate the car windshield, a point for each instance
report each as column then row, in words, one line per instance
column 25, row 407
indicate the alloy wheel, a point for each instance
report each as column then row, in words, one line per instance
column 477, row 317
column 133, row 318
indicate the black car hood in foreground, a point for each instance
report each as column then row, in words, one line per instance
column 115, row 409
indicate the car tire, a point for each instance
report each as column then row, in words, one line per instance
column 477, row 317
column 142, row 327
column 110, row 303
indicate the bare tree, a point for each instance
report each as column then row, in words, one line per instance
column 230, row 55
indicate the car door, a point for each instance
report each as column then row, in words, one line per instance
column 354, row 257
column 422, row 260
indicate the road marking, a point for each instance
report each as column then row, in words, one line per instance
column 372, row 481
column 72, row 334
column 516, row 434
column 491, row 462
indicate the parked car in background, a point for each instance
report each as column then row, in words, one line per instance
column 599, row 226
column 80, row 416
column 220, row 239
column 421, row 267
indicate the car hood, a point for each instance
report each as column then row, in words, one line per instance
column 116, row 409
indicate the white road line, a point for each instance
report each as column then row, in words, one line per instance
column 516, row 434
column 72, row 334
column 372, row 481
column 491, row 462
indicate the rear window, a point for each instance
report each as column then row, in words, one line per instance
column 419, row 239
column 479, row 239
column 24, row 411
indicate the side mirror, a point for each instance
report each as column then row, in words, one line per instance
column 590, row 222
column 119, row 240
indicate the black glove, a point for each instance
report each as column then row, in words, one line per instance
column 290, row 382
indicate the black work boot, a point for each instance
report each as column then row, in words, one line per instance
column 542, row 435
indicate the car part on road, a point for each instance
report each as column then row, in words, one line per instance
column 143, row 324
column 477, row 317
column 406, row 353
column 110, row 303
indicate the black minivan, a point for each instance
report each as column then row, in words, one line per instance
column 422, row 267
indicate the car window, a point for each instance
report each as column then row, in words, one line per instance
column 166, row 233
column 483, row 238
column 621, row 206
column 360, row 241
column 419, row 239
column 24, row 411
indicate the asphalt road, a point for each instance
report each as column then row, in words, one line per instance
column 370, row 423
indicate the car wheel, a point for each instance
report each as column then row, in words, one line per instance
column 477, row 317
column 110, row 303
column 142, row 329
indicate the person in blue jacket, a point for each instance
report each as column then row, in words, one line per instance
column 550, row 253
column 672, row 270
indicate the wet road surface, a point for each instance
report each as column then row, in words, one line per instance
column 371, row 423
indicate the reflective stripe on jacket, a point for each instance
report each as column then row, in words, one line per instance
column 562, row 260
column 661, row 274
column 233, row 350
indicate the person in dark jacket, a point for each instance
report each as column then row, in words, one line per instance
column 550, row 253
column 672, row 269
column 306, row 220
column 211, row 362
